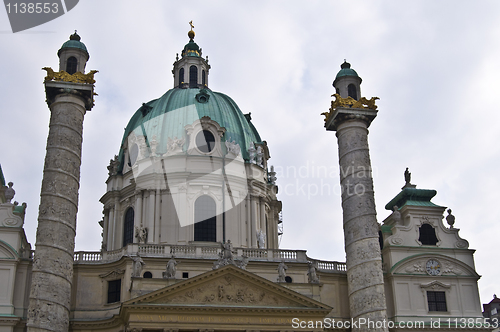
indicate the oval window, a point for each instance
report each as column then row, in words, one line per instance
column 205, row 141
column 133, row 154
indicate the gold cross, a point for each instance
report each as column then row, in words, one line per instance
column 191, row 24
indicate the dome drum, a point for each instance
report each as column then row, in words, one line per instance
column 178, row 148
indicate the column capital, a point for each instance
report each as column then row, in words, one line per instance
column 84, row 91
column 340, row 115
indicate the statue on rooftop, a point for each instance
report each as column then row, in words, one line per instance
column 407, row 177
column 137, row 266
column 282, row 271
column 396, row 215
column 311, row 273
column 10, row 192
column 171, row 269
column 450, row 219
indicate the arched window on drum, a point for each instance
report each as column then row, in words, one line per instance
column 128, row 227
column 205, row 227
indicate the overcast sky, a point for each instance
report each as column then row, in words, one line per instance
column 434, row 64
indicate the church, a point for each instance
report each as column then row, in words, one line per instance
column 191, row 226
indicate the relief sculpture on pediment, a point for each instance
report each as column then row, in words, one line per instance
column 225, row 291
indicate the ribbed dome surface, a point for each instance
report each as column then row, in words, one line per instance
column 167, row 117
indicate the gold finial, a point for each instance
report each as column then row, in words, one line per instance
column 191, row 32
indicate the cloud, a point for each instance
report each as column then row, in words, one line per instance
column 433, row 64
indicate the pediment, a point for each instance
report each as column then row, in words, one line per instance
column 227, row 286
column 6, row 251
column 416, row 265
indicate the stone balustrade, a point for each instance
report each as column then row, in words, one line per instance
column 205, row 252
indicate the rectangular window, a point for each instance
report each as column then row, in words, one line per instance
column 114, row 290
column 436, row 301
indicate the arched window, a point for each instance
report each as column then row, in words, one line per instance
column 193, row 77
column 181, row 76
column 71, row 65
column 204, row 218
column 427, row 235
column 351, row 91
column 205, row 141
column 128, row 227
column 203, row 81
column 147, row 275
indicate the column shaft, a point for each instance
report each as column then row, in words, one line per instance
column 50, row 295
column 151, row 216
column 364, row 262
column 138, row 212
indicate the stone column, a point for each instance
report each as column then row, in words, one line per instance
column 364, row 262
column 117, row 224
column 111, row 229
column 248, row 208
column 151, row 215
column 138, row 212
column 49, row 304
column 262, row 214
column 254, row 218
column 157, row 215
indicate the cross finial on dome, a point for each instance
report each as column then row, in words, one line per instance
column 345, row 64
column 74, row 36
column 191, row 32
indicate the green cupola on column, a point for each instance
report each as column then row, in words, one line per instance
column 73, row 55
column 347, row 82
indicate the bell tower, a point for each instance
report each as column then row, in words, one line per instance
column 350, row 116
column 69, row 95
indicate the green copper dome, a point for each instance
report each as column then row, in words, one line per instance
column 73, row 42
column 167, row 117
column 346, row 71
column 191, row 49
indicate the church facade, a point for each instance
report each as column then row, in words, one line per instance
column 191, row 225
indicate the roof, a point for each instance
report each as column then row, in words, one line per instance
column 191, row 49
column 346, row 71
column 412, row 196
column 167, row 117
column 73, row 42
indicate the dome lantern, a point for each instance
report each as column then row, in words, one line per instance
column 191, row 70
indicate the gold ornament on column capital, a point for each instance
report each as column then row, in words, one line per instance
column 65, row 77
column 350, row 102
